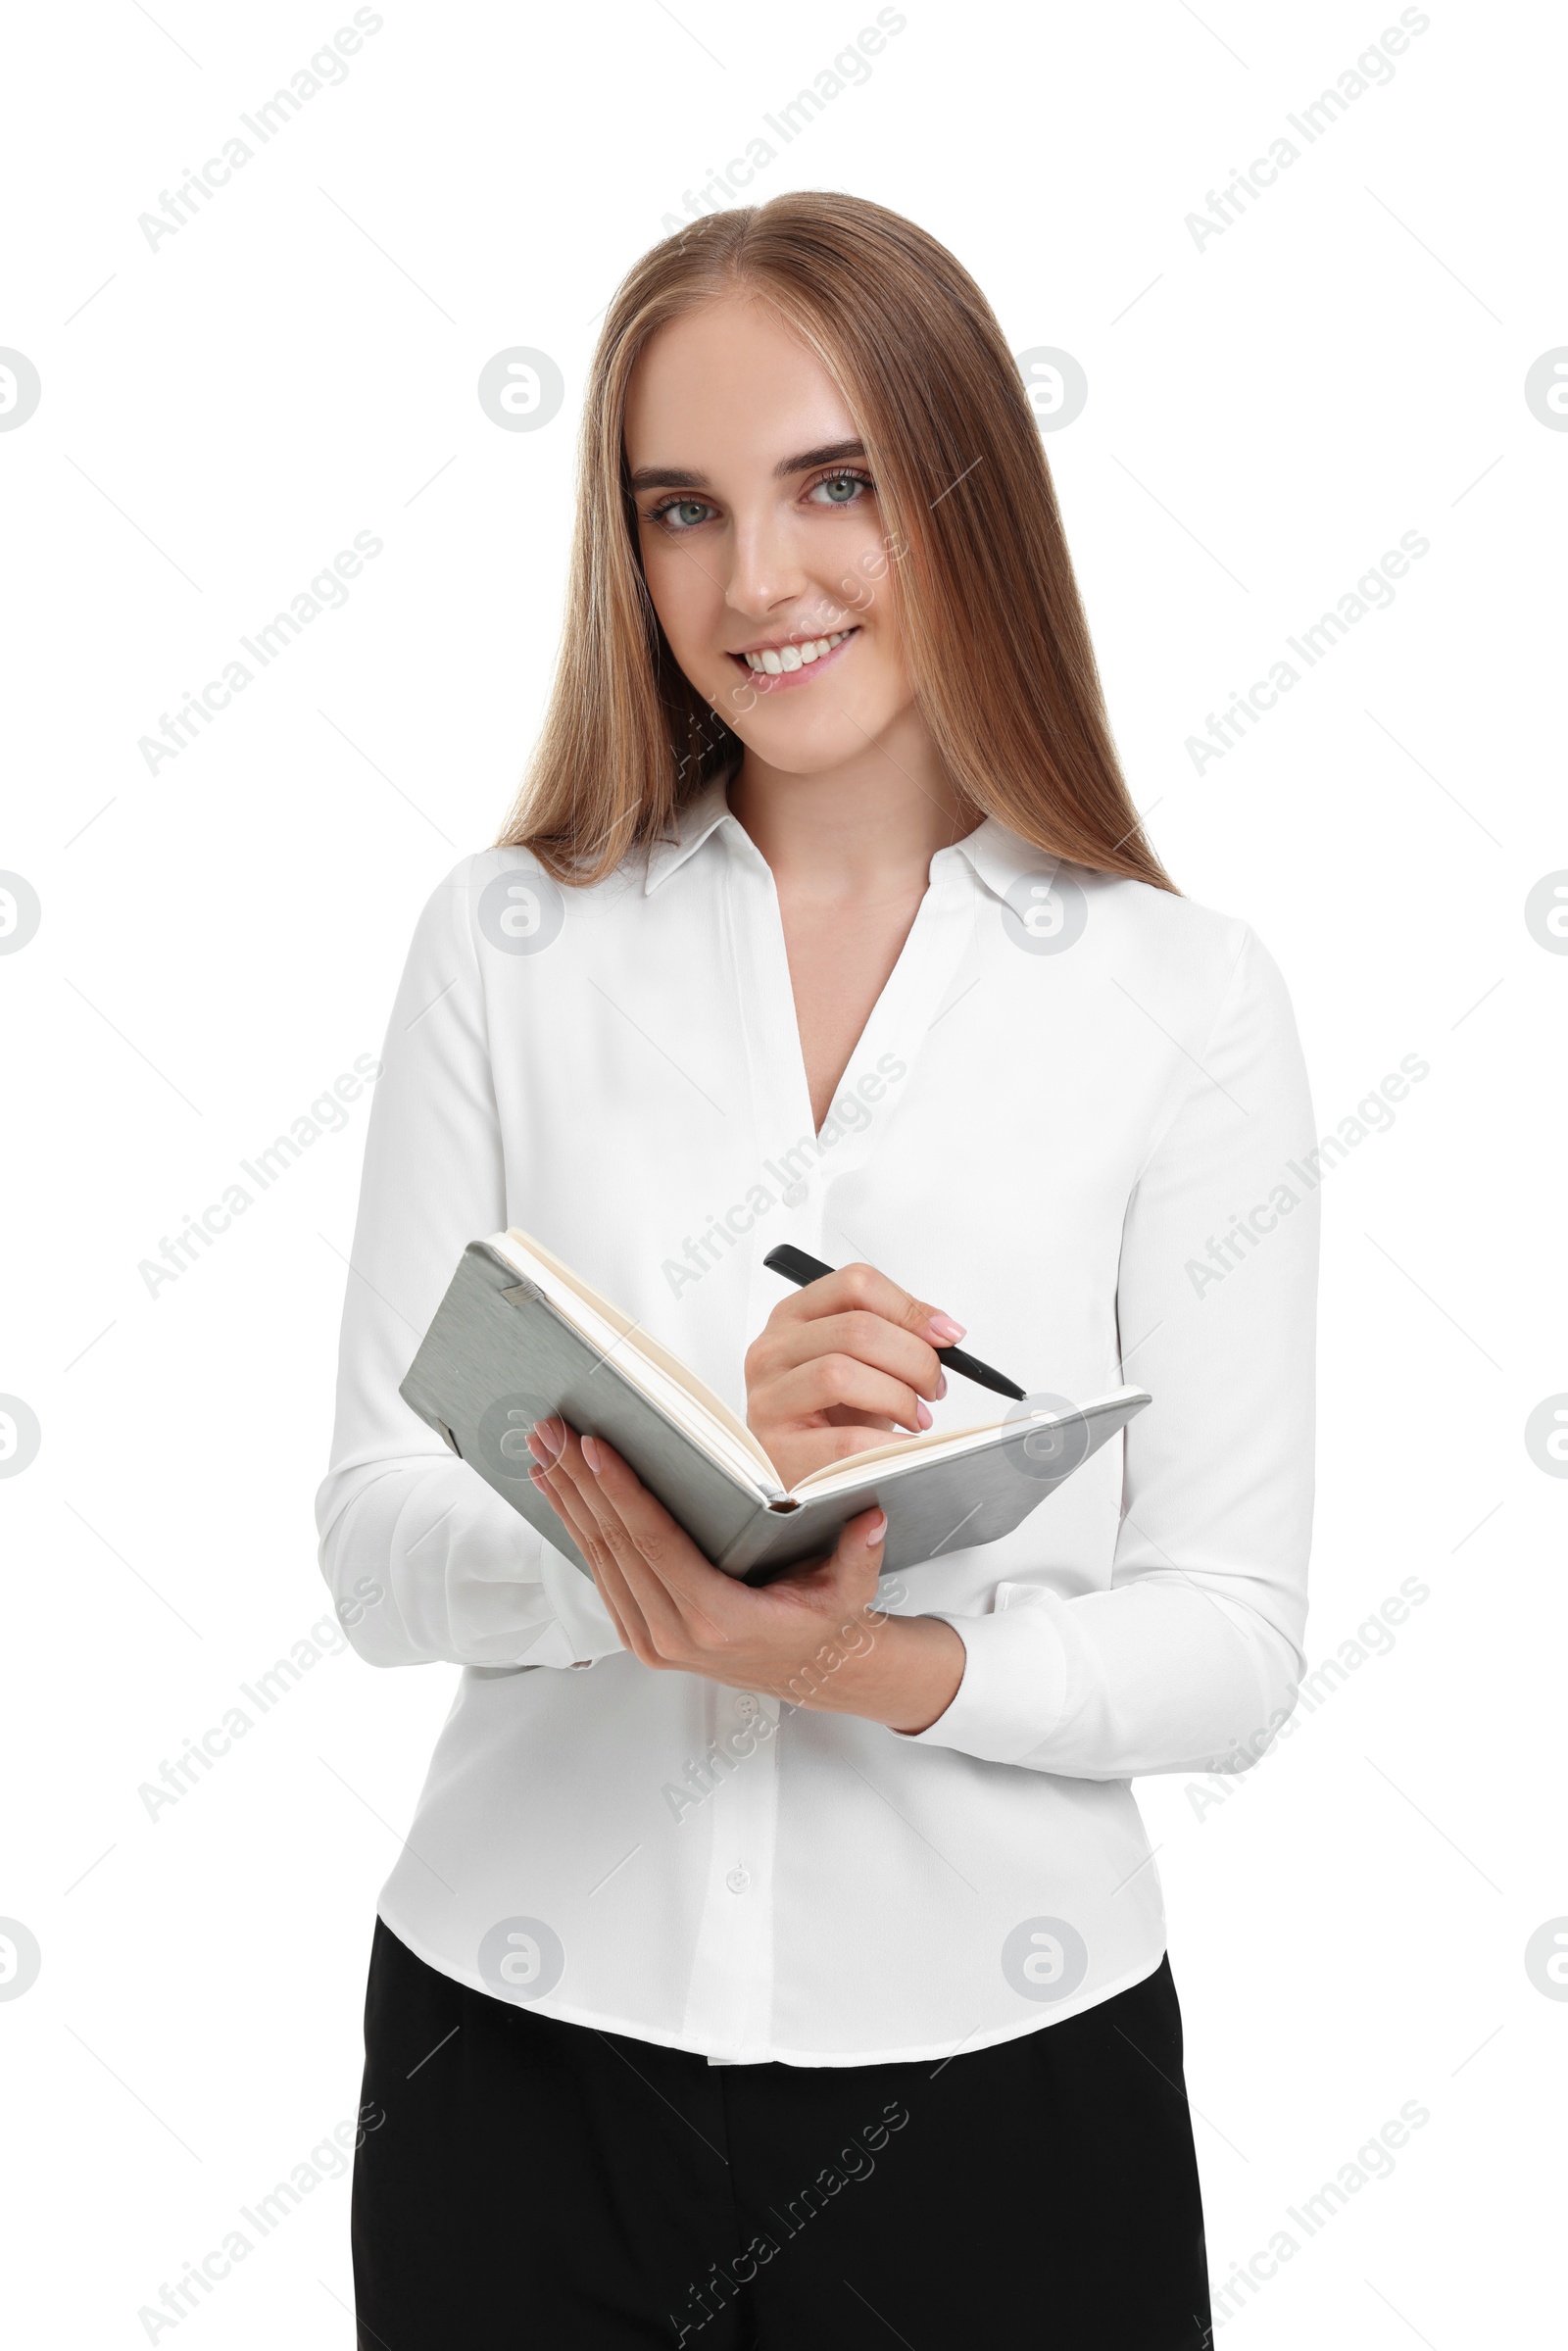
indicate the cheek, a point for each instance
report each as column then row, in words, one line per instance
column 859, row 564
column 883, row 673
column 686, row 600
column 862, row 585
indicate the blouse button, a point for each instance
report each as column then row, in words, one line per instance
column 792, row 1195
column 746, row 1707
column 738, row 1879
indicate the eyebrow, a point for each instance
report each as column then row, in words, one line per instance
column 675, row 477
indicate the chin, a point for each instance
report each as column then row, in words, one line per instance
column 806, row 733
column 813, row 750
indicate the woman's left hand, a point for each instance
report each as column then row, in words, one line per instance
column 812, row 1638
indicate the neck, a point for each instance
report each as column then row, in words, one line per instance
column 869, row 826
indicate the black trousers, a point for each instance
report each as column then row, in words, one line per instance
column 525, row 2183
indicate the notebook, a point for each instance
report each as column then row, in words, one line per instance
column 520, row 1337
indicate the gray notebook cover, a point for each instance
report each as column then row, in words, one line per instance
column 498, row 1357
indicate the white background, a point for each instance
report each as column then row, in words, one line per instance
column 1266, row 414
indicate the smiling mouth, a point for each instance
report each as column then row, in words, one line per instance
column 772, row 666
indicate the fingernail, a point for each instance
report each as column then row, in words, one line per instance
column 876, row 1531
column 590, row 1453
column 941, row 1385
column 922, row 1416
column 945, row 1330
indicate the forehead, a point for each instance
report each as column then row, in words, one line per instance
column 728, row 384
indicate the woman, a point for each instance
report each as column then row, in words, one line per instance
column 697, row 2012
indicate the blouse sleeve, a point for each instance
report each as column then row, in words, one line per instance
column 1192, row 1659
column 422, row 1558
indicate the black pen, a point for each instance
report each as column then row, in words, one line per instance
column 796, row 1266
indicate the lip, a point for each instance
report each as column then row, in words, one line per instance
column 764, row 684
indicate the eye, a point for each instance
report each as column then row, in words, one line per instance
column 840, row 489
column 681, row 514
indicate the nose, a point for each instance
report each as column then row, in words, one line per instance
column 765, row 570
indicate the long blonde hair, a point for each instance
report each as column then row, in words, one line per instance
column 994, row 629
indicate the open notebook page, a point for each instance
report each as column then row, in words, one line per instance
column 662, row 1378
column 929, row 1440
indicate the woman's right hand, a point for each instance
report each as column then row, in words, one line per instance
column 840, row 1365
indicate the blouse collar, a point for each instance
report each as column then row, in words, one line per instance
column 997, row 856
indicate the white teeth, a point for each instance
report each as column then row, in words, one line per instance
column 777, row 662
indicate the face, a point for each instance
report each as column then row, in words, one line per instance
column 762, row 543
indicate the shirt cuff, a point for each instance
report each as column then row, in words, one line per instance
column 582, row 1632
column 1014, row 1688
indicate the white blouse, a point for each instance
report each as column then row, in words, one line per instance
column 1078, row 1120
